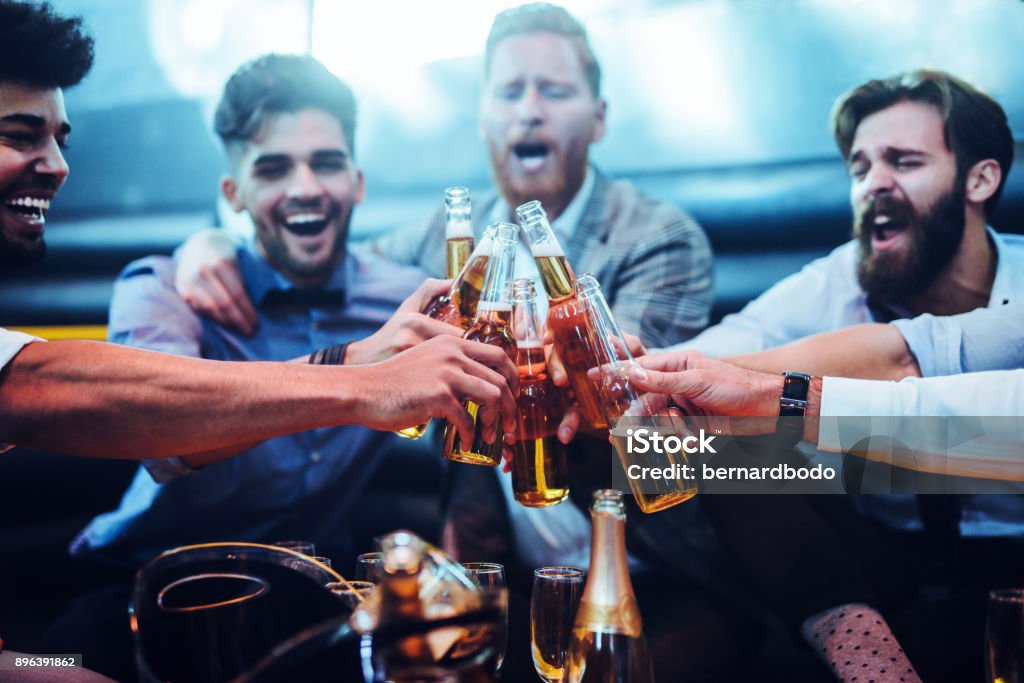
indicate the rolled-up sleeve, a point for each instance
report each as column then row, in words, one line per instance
column 981, row 340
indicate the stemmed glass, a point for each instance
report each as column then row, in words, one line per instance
column 1004, row 636
column 491, row 577
column 553, row 604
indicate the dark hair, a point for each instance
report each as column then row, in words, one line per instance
column 975, row 126
column 276, row 84
column 40, row 49
column 543, row 17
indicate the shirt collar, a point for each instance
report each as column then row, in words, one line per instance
column 1009, row 279
column 567, row 222
column 261, row 278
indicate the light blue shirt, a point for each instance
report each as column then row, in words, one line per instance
column 297, row 486
column 826, row 295
column 983, row 339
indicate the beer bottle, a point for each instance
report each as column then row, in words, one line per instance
column 457, row 306
column 626, row 410
column 458, row 250
column 540, row 475
column 607, row 643
column 567, row 323
column 458, row 231
column 492, row 325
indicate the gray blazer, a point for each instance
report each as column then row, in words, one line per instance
column 652, row 260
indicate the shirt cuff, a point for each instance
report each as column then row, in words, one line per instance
column 841, row 399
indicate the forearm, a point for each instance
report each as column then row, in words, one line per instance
column 871, row 351
column 96, row 399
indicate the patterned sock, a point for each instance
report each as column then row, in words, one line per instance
column 857, row 644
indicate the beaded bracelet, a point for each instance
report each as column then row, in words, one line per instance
column 332, row 355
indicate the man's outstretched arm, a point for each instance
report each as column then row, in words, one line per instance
column 96, row 399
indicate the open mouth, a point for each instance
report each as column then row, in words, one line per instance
column 306, row 224
column 29, row 208
column 885, row 227
column 886, row 219
column 531, row 154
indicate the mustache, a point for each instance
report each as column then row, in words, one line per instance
column 38, row 183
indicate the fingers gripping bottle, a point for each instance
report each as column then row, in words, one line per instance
column 492, row 325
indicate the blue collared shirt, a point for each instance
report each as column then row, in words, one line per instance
column 297, row 486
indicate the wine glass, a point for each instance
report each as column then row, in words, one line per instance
column 1004, row 636
column 491, row 577
column 370, row 567
column 553, row 604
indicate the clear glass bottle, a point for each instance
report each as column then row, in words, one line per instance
column 540, row 473
column 607, row 644
column 458, row 230
column 492, row 325
column 459, row 250
column 627, row 410
column 566, row 321
column 458, row 305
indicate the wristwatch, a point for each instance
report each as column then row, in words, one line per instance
column 792, row 404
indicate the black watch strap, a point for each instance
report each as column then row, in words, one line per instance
column 792, row 405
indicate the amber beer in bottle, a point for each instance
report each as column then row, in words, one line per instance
column 457, row 306
column 458, row 232
column 627, row 409
column 607, row 643
column 540, row 474
column 493, row 325
column 566, row 321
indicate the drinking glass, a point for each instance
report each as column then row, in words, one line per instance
column 325, row 561
column 1004, row 636
column 304, row 547
column 353, row 592
column 553, row 604
column 370, row 567
column 491, row 577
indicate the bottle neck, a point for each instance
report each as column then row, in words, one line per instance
column 495, row 293
column 608, row 604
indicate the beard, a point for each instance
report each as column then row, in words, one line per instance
column 555, row 188
column 301, row 267
column 934, row 238
column 20, row 254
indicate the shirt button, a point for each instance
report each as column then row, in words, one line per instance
column 315, row 456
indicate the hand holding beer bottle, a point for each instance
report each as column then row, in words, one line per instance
column 447, row 306
column 492, row 325
column 540, row 475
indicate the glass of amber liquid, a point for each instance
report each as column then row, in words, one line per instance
column 553, row 605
